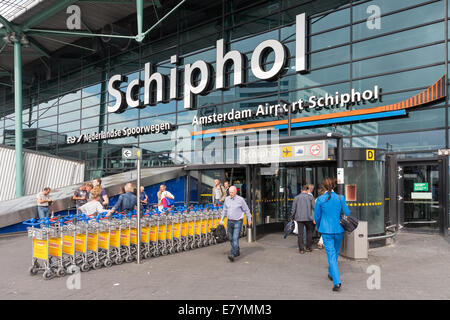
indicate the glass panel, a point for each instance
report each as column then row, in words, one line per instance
column 329, row 39
column 421, row 196
column 328, row 57
column 416, row 120
column 402, row 80
column 207, row 178
column 422, row 140
column 402, row 60
column 400, row 20
column 397, row 41
column 360, row 12
column 364, row 185
column 330, row 20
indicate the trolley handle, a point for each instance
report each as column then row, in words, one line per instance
column 31, row 222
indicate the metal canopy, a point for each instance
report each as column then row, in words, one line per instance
column 44, row 23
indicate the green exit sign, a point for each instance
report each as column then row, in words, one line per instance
column 423, row 186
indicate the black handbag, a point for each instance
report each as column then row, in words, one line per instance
column 349, row 223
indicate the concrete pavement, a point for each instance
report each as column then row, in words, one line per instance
column 415, row 266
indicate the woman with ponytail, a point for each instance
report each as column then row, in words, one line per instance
column 327, row 213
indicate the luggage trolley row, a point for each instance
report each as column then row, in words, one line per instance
column 63, row 244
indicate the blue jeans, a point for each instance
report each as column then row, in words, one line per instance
column 332, row 243
column 234, row 230
column 42, row 211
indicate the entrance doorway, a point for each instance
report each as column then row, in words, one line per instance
column 276, row 186
column 421, row 195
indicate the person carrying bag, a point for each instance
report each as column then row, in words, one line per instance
column 327, row 214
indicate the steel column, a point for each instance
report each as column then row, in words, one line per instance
column 140, row 13
column 18, row 116
column 340, row 161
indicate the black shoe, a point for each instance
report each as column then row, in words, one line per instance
column 329, row 277
column 231, row 258
column 238, row 254
column 337, row 287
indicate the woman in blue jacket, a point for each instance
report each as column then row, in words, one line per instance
column 327, row 214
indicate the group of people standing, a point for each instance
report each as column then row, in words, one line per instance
column 324, row 214
column 91, row 199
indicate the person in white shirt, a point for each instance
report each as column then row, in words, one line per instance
column 93, row 207
column 163, row 193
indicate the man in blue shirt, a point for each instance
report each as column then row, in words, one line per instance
column 234, row 208
column 127, row 201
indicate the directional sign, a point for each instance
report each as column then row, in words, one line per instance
column 131, row 153
column 370, row 155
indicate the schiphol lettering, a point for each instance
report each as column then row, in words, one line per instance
column 314, row 102
column 198, row 76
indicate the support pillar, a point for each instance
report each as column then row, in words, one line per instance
column 18, row 116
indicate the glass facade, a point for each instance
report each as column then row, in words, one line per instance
column 404, row 51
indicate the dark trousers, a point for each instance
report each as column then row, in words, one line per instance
column 309, row 234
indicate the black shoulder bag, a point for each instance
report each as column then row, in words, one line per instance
column 349, row 223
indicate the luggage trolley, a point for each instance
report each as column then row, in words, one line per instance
column 154, row 227
column 114, row 239
column 96, row 257
column 176, row 236
column 104, row 238
column 125, row 237
column 81, row 242
column 169, row 233
column 46, row 244
column 162, row 233
column 145, row 235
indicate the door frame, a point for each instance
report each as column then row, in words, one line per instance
column 442, row 162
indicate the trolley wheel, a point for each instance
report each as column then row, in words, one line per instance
column 85, row 267
column 129, row 258
column 118, row 260
column 107, row 263
column 61, row 272
column 179, row 248
column 200, row 244
column 33, row 270
column 164, row 252
column 171, row 250
column 192, row 245
column 96, row 265
column 185, row 247
column 147, row 255
column 48, row 274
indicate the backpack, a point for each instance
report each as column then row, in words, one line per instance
column 219, row 233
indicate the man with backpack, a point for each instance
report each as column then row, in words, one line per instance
column 234, row 208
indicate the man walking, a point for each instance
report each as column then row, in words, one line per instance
column 303, row 212
column 234, row 208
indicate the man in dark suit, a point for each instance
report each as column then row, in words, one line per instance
column 303, row 212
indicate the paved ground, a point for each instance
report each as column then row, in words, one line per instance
column 415, row 266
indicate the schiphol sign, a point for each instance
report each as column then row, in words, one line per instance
column 160, row 88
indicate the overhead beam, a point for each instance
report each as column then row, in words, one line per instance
column 47, row 13
column 8, row 25
column 162, row 19
column 38, row 47
column 37, row 32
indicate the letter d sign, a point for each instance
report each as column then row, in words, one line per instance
column 370, row 155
